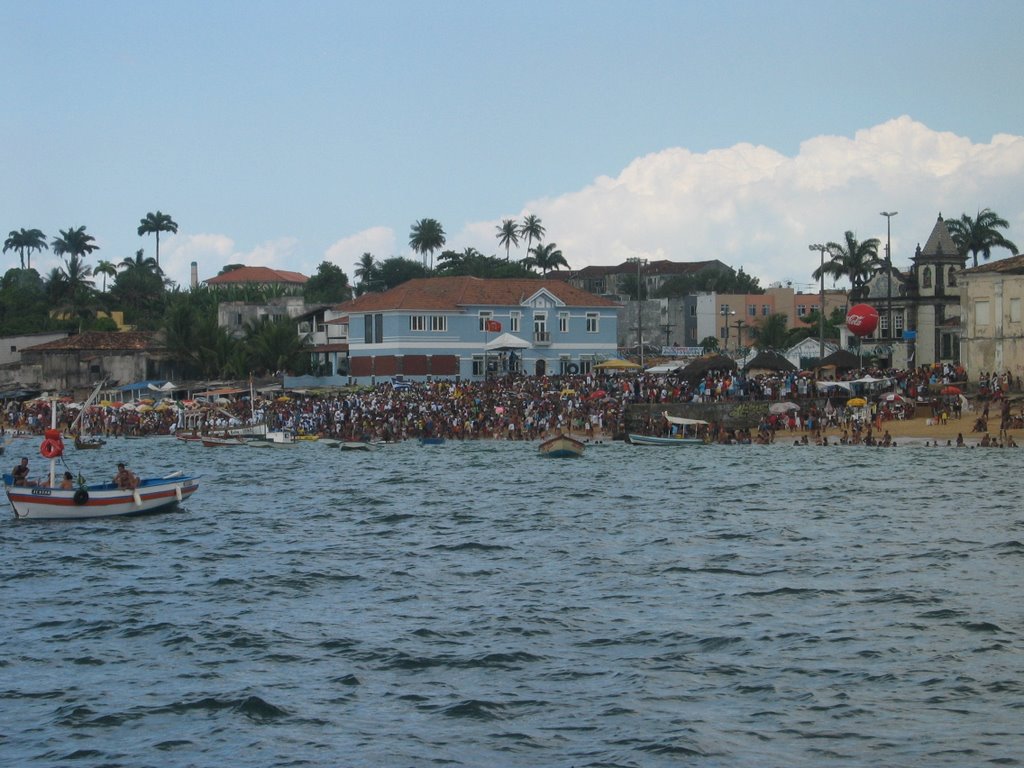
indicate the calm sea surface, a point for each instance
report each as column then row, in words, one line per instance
column 476, row 605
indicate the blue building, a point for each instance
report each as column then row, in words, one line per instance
column 448, row 327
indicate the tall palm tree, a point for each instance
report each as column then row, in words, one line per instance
column 366, row 272
column 105, row 268
column 980, row 234
column 74, row 242
column 508, row 235
column 548, row 257
column 853, row 260
column 154, row 224
column 25, row 241
column 427, row 236
column 531, row 229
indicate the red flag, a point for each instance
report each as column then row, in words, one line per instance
column 492, row 326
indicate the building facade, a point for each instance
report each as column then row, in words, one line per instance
column 440, row 328
column 992, row 303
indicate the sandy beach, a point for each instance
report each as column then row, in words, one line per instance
column 923, row 429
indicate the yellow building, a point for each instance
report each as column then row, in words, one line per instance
column 992, row 335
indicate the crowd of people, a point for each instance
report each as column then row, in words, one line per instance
column 526, row 408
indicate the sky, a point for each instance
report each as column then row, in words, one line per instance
column 284, row 134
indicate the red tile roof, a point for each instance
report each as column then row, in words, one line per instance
column 257, row 275
column 454, row 293
column 131, row 341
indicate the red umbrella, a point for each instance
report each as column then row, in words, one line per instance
column 597, row 395
column 949, row 389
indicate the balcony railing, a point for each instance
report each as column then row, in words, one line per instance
column 542, row 337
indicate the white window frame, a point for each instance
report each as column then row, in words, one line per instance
column 417, row 323
column 514, row 319
column 593, row 322
column 484, row 316
column 439, row 323
column 981, row 313
column 563, row 322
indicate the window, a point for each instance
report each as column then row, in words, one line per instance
column 724, row 309
column 926, row 277
column 981, row 313
column 563, row 322
column 883, row 324
column 238, row 318
column 586, row 364
column 897, row 321
column 417, row 323
column 952, row 277
column 478, row 365
column 1014, row 310
column 765, row 310
column 514, row 319
column 752, row 310
column 540, row 326
column 485, row 315
column 563, row 364
column 801, row 310
column 368, row 329
column 14, row 348
column 439, row 323
column 693, row 310
column 592, row 322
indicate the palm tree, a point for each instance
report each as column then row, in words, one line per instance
column 367, row 272
column 771, row 333
column 154, row 224
column 25, row 241
column 74, row 242
column 548, row 257
column 531, row 229
column 426, row 236
column 145, row 263
column 508, row 235
column 853, row 260
column 980, row 234
column 105, row 268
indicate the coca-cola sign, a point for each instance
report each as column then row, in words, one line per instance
column 862, row 319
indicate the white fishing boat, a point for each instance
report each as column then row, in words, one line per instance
column 684, row 432
column 47, row 500
column 273, row 439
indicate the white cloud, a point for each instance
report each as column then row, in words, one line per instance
column 380, row 241
column 753, row 207
column 212, row 251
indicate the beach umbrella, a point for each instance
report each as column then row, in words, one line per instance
column 597, row 394
column 893, row 397
column 616, row 365
column 949, row 389
column 784, row 407
column 856, row 402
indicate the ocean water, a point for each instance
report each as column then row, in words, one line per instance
column 473, row 604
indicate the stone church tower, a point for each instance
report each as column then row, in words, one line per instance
column 935, row 297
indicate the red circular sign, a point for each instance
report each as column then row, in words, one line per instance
column 862, row 319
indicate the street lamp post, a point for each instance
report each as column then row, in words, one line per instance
column 821, row 300
column 639, row 310
column 739, row 336
column 726, row 313
column 888, row 271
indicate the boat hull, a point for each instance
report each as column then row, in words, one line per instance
column 561, row 447
column 675, row 442
column 152, row 495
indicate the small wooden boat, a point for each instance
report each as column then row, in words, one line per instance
column 220, row 442
column 357, row 445
column 88, row 443
column 561, row 446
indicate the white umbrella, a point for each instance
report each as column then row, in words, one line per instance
column 784, row 407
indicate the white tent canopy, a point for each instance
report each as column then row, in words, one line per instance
column 507, row 341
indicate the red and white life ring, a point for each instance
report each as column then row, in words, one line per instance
column 51, row 449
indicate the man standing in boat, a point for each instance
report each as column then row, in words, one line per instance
column 125, row 479
column 20, row 472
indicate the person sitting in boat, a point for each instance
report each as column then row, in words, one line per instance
column 68, row 482
column 20, row 472
column 125, row 479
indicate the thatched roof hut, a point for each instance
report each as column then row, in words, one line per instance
column 702, row 365
column 840, row 360
column 767, row 361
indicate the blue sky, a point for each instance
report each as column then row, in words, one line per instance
column 286, row 133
